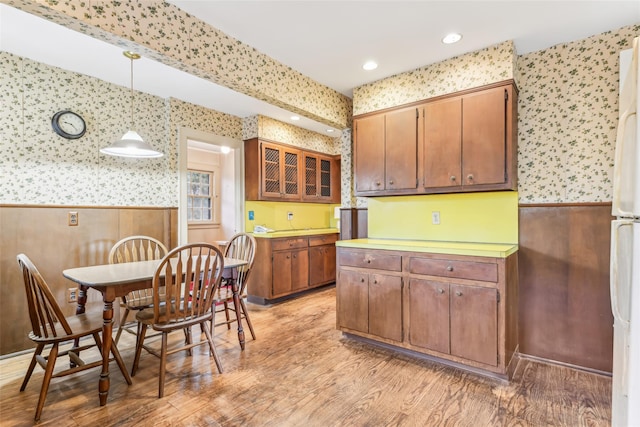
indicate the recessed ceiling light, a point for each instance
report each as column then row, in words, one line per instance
column 452, row 38
column 370, row 65
column 295, row 118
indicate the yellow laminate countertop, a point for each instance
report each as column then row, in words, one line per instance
column 295, row 233
column 495, row 250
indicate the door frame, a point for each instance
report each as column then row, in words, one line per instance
column 184, row 135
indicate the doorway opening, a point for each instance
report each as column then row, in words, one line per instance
column 211, row 180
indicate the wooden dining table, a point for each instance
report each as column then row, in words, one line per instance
column 117, row 280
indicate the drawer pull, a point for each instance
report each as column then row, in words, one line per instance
column 377, row 182
column 362, row 280
column 441, row 291
column 368, row 261
column 391, row 182
column 375, row 282
column 458, row 293
column 452, row 178
column 470, row 177
column 450, row 268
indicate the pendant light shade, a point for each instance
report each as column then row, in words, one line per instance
column 131, row 144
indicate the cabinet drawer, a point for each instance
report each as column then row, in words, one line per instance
column 283, row 244
column 328, row 239
column 371, row 259
column 483, row 271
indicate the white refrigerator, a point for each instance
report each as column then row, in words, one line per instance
column 625, row 249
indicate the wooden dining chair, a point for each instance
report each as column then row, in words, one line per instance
column 190, row 275
column 129, row 249
column 51, row 327
column 241, row 246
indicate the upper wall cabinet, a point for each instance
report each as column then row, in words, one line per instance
column 461, row 142
column 277, row 172
column 470, row 141
column 320, row 176
column 386, row 152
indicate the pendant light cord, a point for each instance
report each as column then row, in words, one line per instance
column 131, row 56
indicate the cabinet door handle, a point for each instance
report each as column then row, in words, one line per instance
column 458, row 293
column 449, row 268
column 470, row 177
column 375, row 282
column 295, row 256
column 288, row 257
column 452, row 177
column 441, row 291
column 391, row 182
column 368, row 261
column 362, row 280
column 377, row 182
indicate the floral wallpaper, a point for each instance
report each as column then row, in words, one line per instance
column 470, row 70
column 568, row 116
column 165, row 33
column 285, row 133
column 40, row 167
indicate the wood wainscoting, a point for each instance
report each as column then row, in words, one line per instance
column 565, row 309
column 43, row 234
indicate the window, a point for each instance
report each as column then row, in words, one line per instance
column 200, row 196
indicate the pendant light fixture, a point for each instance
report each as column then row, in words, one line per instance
column 131, row 144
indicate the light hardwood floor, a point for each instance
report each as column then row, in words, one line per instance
column 301, row 371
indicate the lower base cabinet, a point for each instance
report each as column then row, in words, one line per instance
column 289, row 265
column 371, row 303
column 290, row 271
column 460, row 309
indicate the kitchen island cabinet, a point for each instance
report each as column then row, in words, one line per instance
column 459, row 309
column 287, row 265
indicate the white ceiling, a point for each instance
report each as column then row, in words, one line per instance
column 325, row 40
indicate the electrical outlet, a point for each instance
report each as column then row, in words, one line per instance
column 72, row 295
column 435, row 218
column 289, row 216
column 73, row 218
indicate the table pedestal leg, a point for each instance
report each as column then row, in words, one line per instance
column 236, row 305
column 107, row 328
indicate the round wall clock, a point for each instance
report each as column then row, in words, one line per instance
column 68, row 124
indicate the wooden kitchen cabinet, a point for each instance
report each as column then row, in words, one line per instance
column 322, row 259
column 469, row 141
column 474, row 323
column 454, row 319
column 459, row 309
column 369, row 294
column 286, row 266
column 386, row 152
column 460, row 142
column 429, row 315
column 278, row 172
column 290, row 271
column 320, row 176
